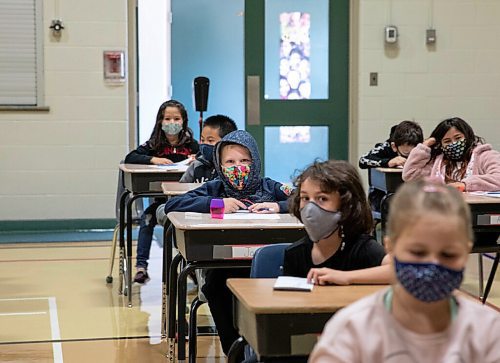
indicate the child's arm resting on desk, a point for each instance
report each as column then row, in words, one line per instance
column 281, row 192
column 489, row 179
column 197, row 200
column 379, row 156
column 373, row 275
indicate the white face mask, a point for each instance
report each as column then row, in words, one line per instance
column 318, row 222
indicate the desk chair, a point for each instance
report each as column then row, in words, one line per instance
column 137, row 211
column 376, row 214
column 267, row 263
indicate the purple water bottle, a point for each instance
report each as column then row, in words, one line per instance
column 217, row 208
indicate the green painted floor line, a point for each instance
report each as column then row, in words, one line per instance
column 59, row 236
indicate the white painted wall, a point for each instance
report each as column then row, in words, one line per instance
column 62, row 164
column 459, row 76
column 154, row 62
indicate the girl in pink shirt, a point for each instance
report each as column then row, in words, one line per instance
column 419, row 318
column 454, row 154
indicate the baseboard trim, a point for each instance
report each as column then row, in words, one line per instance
column 54, row 225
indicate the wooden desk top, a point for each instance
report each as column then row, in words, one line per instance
column 390, row 170
column 258, row 296
column 176, row 188
column 143, row 168
column 480, row 199
column 203, row 221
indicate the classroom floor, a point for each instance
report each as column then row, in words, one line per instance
column 56, row 307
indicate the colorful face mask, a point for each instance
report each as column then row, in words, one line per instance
column 318, row 222
column 237, row 175
column 455, row 150
column 428, row 282
column 207, row 151
column 171, row 128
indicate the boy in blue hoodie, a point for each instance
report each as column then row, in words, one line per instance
column 239, row 184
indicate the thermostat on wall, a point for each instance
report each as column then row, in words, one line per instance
column 391, row 34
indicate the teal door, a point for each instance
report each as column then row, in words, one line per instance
column 296, row 81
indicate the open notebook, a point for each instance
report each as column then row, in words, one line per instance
column 292, row 284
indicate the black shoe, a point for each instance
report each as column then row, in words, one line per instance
column 141, row 276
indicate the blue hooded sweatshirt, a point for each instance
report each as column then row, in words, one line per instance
column 256, row 190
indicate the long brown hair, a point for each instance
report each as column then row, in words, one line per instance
column 158, row 140
column 342, row 177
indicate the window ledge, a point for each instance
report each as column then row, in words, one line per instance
column 25, row 108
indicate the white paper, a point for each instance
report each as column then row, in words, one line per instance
column 192, row 215
column 293, row 284
column 251, row 216
column 487, row 194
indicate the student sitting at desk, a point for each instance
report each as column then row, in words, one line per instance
column 419, row 318
column 171, row 141
column 213, row 130
column 241, row 187
column 338, row 249
column 454, row 154
column 391, row 154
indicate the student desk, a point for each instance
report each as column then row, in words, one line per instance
column 485, row 212
column 204, row 242
column 387, row 180
column 286, row 323
column 140, row 181
column 171, row 189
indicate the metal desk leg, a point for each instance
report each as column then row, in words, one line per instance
column 181, row 311
column 491, row 277
column 193, row 323
column 129, row 249
column 123, row 198
column 481, row 274
column 172, row 299
column 167, row 262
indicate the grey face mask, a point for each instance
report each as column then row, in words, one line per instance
column 318, row 222
column 171, row 128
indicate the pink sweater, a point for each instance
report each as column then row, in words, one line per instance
column 366, row 332
column 484, row 175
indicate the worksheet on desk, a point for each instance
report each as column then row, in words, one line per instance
column 251, row 216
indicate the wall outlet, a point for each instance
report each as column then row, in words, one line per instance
column 373, row 79
column 430, row 36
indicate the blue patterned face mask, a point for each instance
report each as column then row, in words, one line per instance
column 428, row 282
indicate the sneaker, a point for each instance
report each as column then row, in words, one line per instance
column 141, row 276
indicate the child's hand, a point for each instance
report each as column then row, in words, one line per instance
column 429, row 142
column 231, row 205
column 160, row 161
column 263, row 208
column 397, row 161
column 458, row 185
column 326, row 276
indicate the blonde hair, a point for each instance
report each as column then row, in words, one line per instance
column 416, row 198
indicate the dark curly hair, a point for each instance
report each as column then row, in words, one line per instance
column 338, row 176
